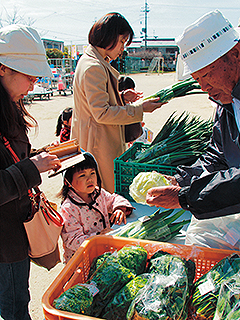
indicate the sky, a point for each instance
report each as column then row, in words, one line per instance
column 71, row 20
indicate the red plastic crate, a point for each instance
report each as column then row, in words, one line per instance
column 77, row 269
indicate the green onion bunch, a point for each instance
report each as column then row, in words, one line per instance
column 181, row 140
column 179, row 89
column 160, row 226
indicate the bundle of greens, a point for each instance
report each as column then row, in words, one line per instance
column 109, row 278
column 189, row 264
column 206, row 288
column 77, row 299
column 133, row 257
column 97, row 262
column 159, row 226
column 179, row 89
column 180, row 141
column 228, row 304
column 165, row 295
column 118, row 307
column 113, row 272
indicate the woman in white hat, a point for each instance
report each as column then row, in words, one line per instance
column 22, row 60
column 210, row 50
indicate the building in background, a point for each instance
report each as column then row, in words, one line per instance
column 53, row 44
column 165, row 48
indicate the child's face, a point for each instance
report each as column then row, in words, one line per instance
column 84, row 182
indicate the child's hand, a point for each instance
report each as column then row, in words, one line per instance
column 106, row 230
column 118, row 216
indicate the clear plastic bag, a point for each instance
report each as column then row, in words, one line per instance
column 116, row 271
column 165, row 295
column 206, row 289
column 219, row 233
column 118, row 307
column 77, row 299
column 228, row 304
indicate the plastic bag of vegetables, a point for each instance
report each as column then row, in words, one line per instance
column 97, row 262
column 145, row 181
column 228, row 304
column 115, row 271
column 118, row 307
column 133, row 258
column 155, row 264
column 206, row 289
column 77, row 299
column 165, row 295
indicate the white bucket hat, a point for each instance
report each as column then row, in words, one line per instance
column 206, row 40
column 21, row 49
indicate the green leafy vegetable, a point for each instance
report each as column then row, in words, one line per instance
column 118, row 307
column 189, row 264
column 166, row 294
column 203, row 302
column 97, row 262
column 228, row 304
column 77, row 299
column 133, row 258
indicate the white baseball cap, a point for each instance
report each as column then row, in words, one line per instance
column 21, row 49
column 206, row 40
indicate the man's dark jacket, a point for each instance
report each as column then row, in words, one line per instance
column 211, row 186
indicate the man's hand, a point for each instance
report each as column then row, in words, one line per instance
column 166, row 197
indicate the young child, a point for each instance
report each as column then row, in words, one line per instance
column 63, row 127
column 87, row 209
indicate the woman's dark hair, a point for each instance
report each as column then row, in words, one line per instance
column 125, row 83
column 13, row 116
column 64, row 116
column 105, row 32
column 88, row 163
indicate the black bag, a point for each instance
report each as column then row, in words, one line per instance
column 133, row 131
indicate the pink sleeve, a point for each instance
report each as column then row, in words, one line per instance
column 115, row 201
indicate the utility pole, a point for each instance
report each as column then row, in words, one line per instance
column 146, row 10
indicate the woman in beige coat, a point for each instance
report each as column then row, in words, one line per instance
column 100, row 113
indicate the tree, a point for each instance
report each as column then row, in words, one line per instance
column 14, row 17
column 54, row 54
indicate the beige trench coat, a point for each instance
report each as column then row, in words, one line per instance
column 99, row 114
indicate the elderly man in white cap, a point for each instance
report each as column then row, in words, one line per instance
column 210, row 51
column 22, row 60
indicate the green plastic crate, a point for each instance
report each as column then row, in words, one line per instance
column 125, row 170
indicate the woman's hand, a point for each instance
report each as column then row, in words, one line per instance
column 45, row 161
column 118, row 216
column 152, row 104
column 131, row 95
column 166, row 197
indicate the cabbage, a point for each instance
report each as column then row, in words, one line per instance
column 145, row 181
